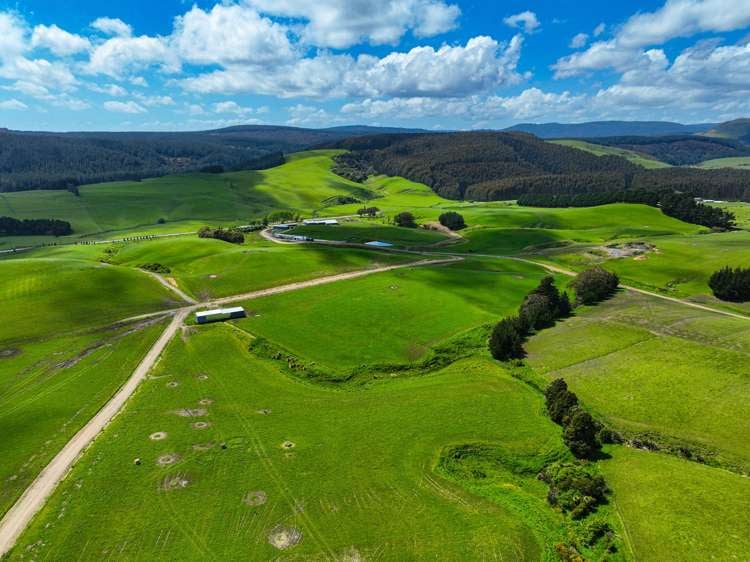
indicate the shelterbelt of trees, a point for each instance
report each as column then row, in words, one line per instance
column 10, row 226
column 489, row 166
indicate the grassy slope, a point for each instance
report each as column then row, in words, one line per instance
column 647, row 365
column 601, row 150
column 47, row 297
column 675, row 509
column 359, row 480
column 360, row 232
column 52, row 388
column 741, row 212
column 391, row 317
column 741, row 162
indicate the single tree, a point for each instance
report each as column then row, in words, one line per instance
column 538, row 311
column 594, row 285
column 506, row 340
column 452, row 220
column 405, row 219
column 580, row 435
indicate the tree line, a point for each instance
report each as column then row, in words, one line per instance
column 731, row 284
column 10, row 226
column 681, row 206
column 232, row 235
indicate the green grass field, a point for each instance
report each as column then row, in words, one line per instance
column 740, row 210
column 50, row 389
column 360, row 232
column 601, row 150
column 648, row 366
column 356, row 480
column 674, row 509
column 393, row 317
column 741, row 162
column 52, row 297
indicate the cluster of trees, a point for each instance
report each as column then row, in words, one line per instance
column 574, row 488
column 232, row 235
column 368, row 211
column 349, row 166
column 730, row 284
column 540, row 309
column 580, row 430
column 452, row 220
column 61, row 161
column 488, row 166
column 594, row 285
column 674, row 204
column 10, row 226
column 155, row 268
column 405, row 219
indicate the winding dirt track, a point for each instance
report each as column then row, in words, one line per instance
column 35, row 496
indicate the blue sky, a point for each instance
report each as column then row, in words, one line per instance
column 174, row 65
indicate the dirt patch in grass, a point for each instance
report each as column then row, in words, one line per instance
column 205, row 401
column 200, row 425
column 176, row 482
column 287, row 445
column 284, row 537
column 10, row 352
column 256, row 498
column 201, row 447
column 351, row 555
column 202, row 377
column 166, row 460
column 191, row 412
column 628, row 250
column 173, row 384
column 158, row 436
column 264, row 412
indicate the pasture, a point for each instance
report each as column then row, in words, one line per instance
column 49, row 390
column 653, row 368
column 642, row 160
column 393, row 317
column 740, row 162
column 269, row 463
column 360, row 232
column 675, row 509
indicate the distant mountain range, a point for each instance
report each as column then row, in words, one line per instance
column 595, row 129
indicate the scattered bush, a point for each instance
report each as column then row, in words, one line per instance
column 594, row 285
column 162, row 220
column 506, row 340
column 730, row 284
column 405, row 219
column 227, row 235
column 155, row 268
column 368, row 211
column 574, row 488
column 452, row 220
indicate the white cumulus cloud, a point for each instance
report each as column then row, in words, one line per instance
column 124, row 107
column 58, row 41
column 112, row 26
column 526, row 21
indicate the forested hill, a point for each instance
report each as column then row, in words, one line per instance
column 487, row 166
column 31, row 160
column 594, row 129
column 679, row 150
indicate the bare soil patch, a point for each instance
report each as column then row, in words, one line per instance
column 628, row 249
column 166, row 460
column 264, row 412
column 191, row 412
column 176, row 482
column 205, row 401
column 287, row 445
column 256, row 498
column 10, row 352
column 204, row 446
column 284, row 537
column 158, row 436
column 173, row 384
column 200, row 425
column 202, row 377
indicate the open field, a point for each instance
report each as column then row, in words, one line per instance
column 741, row 212
column 390, row 317
column 227, row 491
column 49, row 389
column 650, row 367
column 741, row 162
column 360, row 232
column 676, row 509
column 601, row 150
column 47, row 297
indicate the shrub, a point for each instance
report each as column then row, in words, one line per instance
column 405, row 219
column 368, row 211
column 452, row 220
column 155, row 267
column 538, row 312
column 594, row 285
column 581, row 435
column 227, row 235
column 730, row 284
column 162, row 220
column 506, row 340
column 574, row 489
